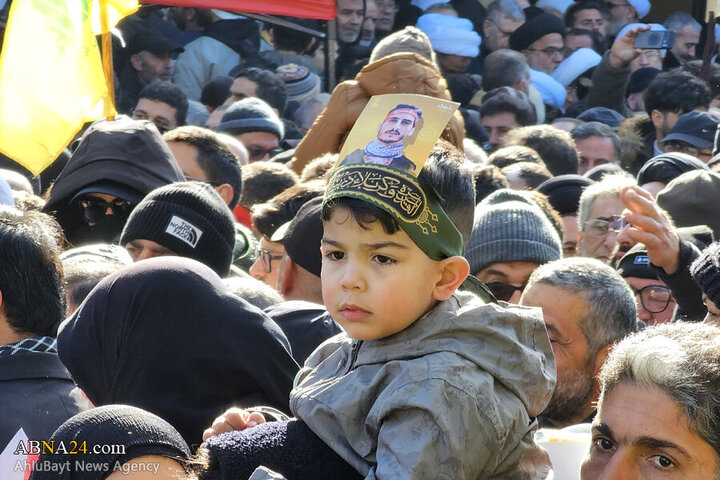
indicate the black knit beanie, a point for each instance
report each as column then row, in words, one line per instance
column 189, row 218
column 131, row 432
column 705, row 271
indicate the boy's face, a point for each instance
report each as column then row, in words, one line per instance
column 374, row 284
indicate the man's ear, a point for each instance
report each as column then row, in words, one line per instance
column 657, row 118
column 136, row 62
column 226, row 191
column 485, row 25
column 454, row 271
column 286, row 276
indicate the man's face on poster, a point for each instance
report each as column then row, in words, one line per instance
column 396, row 127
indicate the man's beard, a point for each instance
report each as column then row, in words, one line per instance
column 571, row 396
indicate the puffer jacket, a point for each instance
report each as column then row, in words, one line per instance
column 453, row 396
column 396, row 73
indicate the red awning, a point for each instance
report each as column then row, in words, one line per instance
column 320, row 9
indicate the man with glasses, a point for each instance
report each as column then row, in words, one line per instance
column 653, row 299
column 587, row 307
column 256, row 125
column 115, row 165
column 599, row 220
column 540, row 39
column 694, row 134
column 510, row 238
column 503, row 18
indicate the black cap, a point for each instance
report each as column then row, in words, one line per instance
column 302, row 236
column 640, row 79
column 534, row 29
column 636, row 263
column 146, row 40
column 609, row 117
column 668, row 166
column 564, row 192
column 695, row 128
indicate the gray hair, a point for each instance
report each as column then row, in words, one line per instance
column 678, row 20
column 597, row 129
column 611, row 313
column 682, row 360
column 610, row 185
column 500, row 9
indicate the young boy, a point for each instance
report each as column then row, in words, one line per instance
column 426, row 381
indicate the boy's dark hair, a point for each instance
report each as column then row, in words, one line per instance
column 319, row 167
column 270, row 87
column 215, row 159
column 263, row 180
column 282, row 208
column 169, row 93
column 555, row 146
column 533, row 174
column 573, row 9
column 216, row 91
column 676, row 91
column 31, row 278
column 543, row 202
column 523, row 111
column 293, row 40
column 488, row 178
column 445, row 178
column 82, row 277
column 503, row 157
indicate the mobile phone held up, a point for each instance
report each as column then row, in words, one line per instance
column 650, row 40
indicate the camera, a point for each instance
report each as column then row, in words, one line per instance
column 650, row 40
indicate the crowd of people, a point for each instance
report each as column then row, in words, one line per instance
column 199, row 281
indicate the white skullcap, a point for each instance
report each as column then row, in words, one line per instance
column 450, row 35
column 551, row 91
column 642, row 7
column 575, row 65
column 559, row 5
column 424, row 4
column 654, row 27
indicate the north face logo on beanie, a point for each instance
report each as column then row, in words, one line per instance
column 184, row 230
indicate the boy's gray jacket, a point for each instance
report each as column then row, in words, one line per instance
column 453, row 396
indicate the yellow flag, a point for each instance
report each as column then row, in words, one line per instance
column 51, row 76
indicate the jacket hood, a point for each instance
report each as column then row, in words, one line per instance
column 403, row 73
column 130, row 153
column 510, row 342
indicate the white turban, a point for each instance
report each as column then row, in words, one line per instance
column 450, row 35
column 575, row 65
column 559, row 5
column 551, row 91
column 642, row 7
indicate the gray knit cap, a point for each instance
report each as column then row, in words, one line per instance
column 250, row 115
column 510, row 227
column 705, row 270
column 407, row 40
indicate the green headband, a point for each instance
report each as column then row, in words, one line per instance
column 399, row 194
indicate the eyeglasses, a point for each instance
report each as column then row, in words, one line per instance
column 654, row 298
column 267, row 257
column 602, row 226
column 549, row 51
column 256, row 154
column 503, row 291
column 94, row 208
column 682, row 147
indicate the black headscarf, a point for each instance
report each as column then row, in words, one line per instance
column 166, row 335
column 140, row 433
